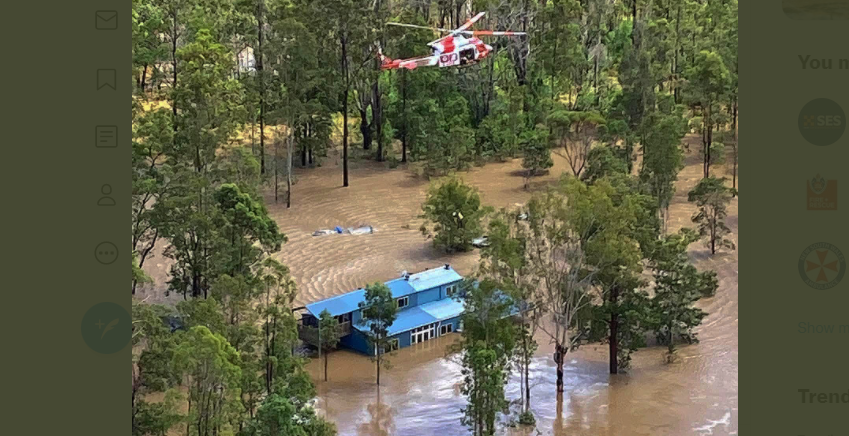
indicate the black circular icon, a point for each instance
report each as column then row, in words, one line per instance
column 106, row 328
column 106, row 253
column 822, row 121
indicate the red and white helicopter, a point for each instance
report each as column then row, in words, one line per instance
column 450, row 50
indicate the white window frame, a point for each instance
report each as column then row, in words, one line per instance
column 417, row 334
column 446, row 328
column 405, row 299
column 451, row 290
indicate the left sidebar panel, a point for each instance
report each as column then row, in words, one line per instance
column 66, row 76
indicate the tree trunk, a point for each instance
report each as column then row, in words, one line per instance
column 365, row 128
column 613, row 340
column 174, row 72
column 734, row 172
column 276, row 167
column 143, row 77
column 713, row 238
column 377, row 119
column 325, row 365
column 560, row 356
column 404, row 111
column 133, row 414
column 260, row 76
column 707, row 149
column 633, row 19
column 188, row 411
column 734, row 119
column 675, row 55
column 705, row 145
column 344, row 43
column 289, row 170
column 527, row 364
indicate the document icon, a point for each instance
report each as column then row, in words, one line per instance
column 106, row 136
column 106, row 20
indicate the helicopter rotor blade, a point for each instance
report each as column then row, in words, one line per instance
column 460, row 29
column 471, row 22
column 420, row 27
column 492, row 33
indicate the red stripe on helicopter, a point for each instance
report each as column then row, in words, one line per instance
column 448, row 44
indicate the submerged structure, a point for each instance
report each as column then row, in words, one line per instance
column 426, row 309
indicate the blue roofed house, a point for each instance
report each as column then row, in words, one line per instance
column 426, row 310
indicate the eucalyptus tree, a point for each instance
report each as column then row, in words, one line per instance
column 505, row 262
column 662, row 155
column 488, row 348
column 712, row 198
column 708, row 85
column 328, row 328
column 349, row 22
column 453, row 214
column 678, row 285
column 209, row 370
column 379, row 313
column 210, row 107
column 559, row 271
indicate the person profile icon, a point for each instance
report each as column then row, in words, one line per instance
column 106, row 200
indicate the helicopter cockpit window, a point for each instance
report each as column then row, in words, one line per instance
column 467, row 55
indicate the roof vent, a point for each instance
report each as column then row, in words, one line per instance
column 446, row 266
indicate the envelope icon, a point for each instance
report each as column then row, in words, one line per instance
column 106, row 20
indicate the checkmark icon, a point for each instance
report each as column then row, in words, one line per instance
column 106, row 20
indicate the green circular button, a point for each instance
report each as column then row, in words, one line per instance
column 822, row 121
column 106, row 328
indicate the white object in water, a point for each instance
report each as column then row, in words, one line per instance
column 361, row 230
column 483, row 241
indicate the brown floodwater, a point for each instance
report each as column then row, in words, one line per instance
column 420, row 393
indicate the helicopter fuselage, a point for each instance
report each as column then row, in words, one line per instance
column 458, row 50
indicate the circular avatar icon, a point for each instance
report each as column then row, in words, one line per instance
column 822, row 121
column 106, row 328
column 106, row 253
column 822, row 265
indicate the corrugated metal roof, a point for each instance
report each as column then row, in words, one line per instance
column 443, row 309
column 433, row 278
column 425, row 314
column 400, row 287
column 408, row 320
column 339, row 304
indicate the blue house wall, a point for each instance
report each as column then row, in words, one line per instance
column 444, row 289
column 427, row 296
column 403, row 339
column 428, row 289
column 356, row 341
